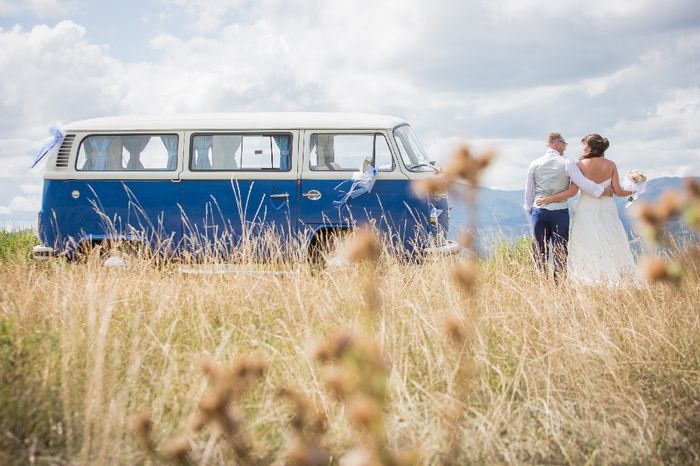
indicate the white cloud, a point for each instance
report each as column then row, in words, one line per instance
column 39, row 8
column 22, row 204
column 49, row 74
column 500, row 73
column 33, row 188
column 618, row 9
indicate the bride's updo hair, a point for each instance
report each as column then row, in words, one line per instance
column 598, row 145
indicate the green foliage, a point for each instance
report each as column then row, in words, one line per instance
column 16, row 246
column 511, row 252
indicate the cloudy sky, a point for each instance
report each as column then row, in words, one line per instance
column 495, row 73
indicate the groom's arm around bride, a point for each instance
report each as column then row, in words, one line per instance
column 550, row 174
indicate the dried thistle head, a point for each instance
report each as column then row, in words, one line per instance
column 647, row 214
column 466, row 239
column 365, row 414
column 177, row 450
column 650, row 221
column 465, row 275
column 466, row 166
column 306, row 418
column 302, row 452
column 214, row 409
column 669, row 205
column 656, row 270
column 362, row 246
column 692, row 187
column 406, row 458
column 360, row 457
column 226, row 386
column 249, row 368
column 142, row 427
column 333, row 347
column 432, row 186
column 455, row 329
column 340, row 381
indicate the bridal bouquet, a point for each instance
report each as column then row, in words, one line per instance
column 636, row 181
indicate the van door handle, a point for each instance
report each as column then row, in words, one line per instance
column 313, row 195
column 175, row 180
column 279, row 196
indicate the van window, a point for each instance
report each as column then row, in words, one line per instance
column 347, row 152
column 243, row 152
column 128, row 152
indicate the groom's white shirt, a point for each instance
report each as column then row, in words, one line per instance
column 551, row 174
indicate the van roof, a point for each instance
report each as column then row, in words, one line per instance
column 238, row 121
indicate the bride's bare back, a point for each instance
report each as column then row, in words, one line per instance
column 597, row 169
column 600, row 169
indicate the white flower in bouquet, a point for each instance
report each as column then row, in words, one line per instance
column 635, row 181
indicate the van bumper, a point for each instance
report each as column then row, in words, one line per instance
column 42, row 252
column 448, row 248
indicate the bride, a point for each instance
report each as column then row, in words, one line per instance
column 599, row 251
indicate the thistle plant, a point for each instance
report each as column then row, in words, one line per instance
column 653, row 219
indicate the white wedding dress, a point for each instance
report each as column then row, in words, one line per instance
column 599, row 251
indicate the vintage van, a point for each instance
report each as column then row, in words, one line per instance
column 187, row 182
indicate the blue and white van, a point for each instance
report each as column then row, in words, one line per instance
column 186, row 182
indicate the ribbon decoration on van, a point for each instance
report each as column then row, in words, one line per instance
column 54, row 140
column 363, row 183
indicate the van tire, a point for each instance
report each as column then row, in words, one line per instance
column 324, row 244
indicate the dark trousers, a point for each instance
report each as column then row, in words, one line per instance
column 550, row 230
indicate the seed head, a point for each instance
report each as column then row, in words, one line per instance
column 304, row 453
column 214, row 403
column 359, row 457
column 177, row 449
column 647, row 214
column 364, row 413
column 465, row 275
column 248, row 367
column 142, row 427
column 432, row 186
column 362, row 246
column 339, row 381
column 455, row 329
column 692, row 186
column 466, row 239
column 669, row 205
column 465, row 166
column 334, row 347
column 300, row 405
column 656, row 270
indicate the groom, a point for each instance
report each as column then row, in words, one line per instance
column 548, row 175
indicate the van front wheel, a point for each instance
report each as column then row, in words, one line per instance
column 324, row 245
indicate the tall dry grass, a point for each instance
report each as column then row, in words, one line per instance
column 450, row 361
column 562, row 374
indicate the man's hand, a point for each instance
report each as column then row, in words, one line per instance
column 540, row 201
column 608, row 192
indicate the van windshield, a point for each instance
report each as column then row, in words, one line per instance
column 414, row 156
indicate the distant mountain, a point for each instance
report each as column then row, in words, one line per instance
column 501, row 212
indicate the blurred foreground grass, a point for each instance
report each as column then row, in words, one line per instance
column 562, row 374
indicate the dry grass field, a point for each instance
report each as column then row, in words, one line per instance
column 452, row 361
column 515, row 370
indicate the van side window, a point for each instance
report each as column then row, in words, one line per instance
column 347, row 152
column 128, row 152
column 242, row 152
